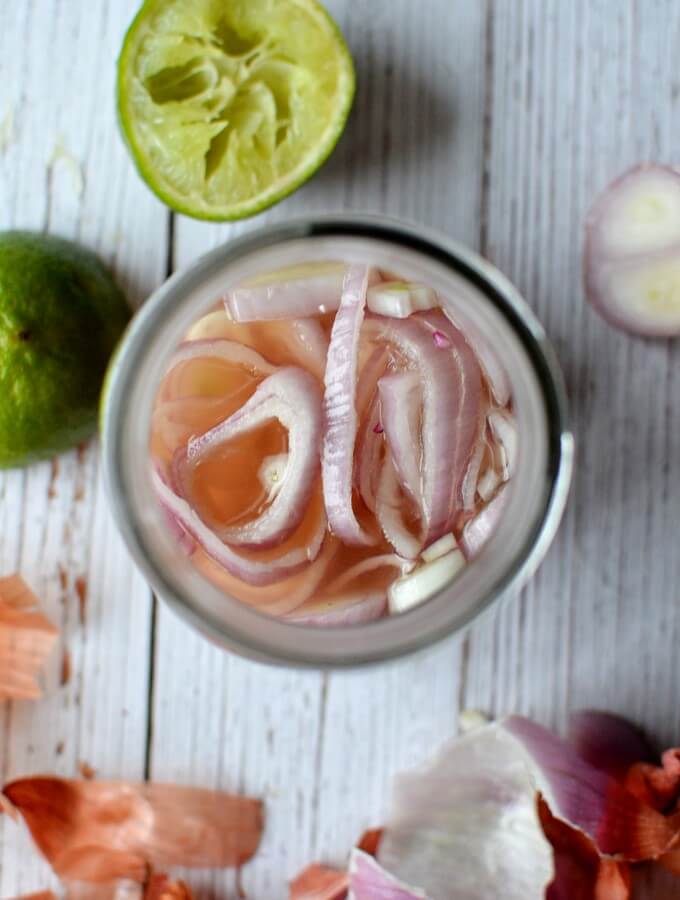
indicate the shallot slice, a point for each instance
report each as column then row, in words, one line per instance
column 292, row 396
column 249, row 568
column 452, row 398
column 504, row 430
column 369, row 453
column 388, row 510
column 351, row 609
column 632, row 252
column 478, row 530
column 425, row 581
column 305, row 290
column 340, row 412
column 289, row 342
column 400, row 412
column 400, row 299
column 227, row 351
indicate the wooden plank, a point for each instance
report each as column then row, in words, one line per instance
column 320, row 749
column 64, row 169
column 580, row 92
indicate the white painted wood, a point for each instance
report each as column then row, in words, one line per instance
column 321, row 749
column 496, row 122
column 64, row 169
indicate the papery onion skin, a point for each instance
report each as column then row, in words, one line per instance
column 318, row 882
column 292, row 396
column 98, row 831
column 340, row 412
column 369, row 881
column 27, row 638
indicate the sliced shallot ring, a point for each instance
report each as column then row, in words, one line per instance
column 451, row 382
column 380, row 561
column 292, row 396
column 352, row 609
column 249, row 569
column 471, row 478
column 298, row 291
column 340, row 412
column 223, row 349
column 504, row 430
column 388, row 510
column 400, row 410
column 368, row 456
column 478, row 530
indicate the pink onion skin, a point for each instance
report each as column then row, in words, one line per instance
column 590, row 800
column 225, row 350
column 602, row 262
column 292, row 396
column 400, row 402
column 340, row 414
column 369, row 881
column 452, row 401
column 608, row 742
column 247, row 568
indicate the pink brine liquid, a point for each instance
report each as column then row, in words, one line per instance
column 329, row 447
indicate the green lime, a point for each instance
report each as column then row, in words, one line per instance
column 230, row 105
column 61, row 316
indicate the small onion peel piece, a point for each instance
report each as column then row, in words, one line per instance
column 97, row 831
column 26, row 640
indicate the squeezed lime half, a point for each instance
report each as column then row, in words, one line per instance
column 230, row 105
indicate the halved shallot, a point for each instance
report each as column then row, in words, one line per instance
column 292, row 396
column 632, row 252
column 340, row 413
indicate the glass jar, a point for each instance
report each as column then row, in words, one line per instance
column 478, row 297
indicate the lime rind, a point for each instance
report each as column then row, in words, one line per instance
column 249, row 117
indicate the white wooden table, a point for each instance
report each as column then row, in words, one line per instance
column 495, row 121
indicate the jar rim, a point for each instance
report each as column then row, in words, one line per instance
column 262, row 637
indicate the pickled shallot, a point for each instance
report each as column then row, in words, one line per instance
column 328, row 447
column 632, row 252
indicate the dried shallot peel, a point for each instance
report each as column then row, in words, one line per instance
column 96, row 831
column 26, row 640
column 632, row 252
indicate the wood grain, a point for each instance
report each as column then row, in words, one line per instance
column 496, row 122
column 64, row 169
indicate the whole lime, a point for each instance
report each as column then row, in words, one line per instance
column 61, row 315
